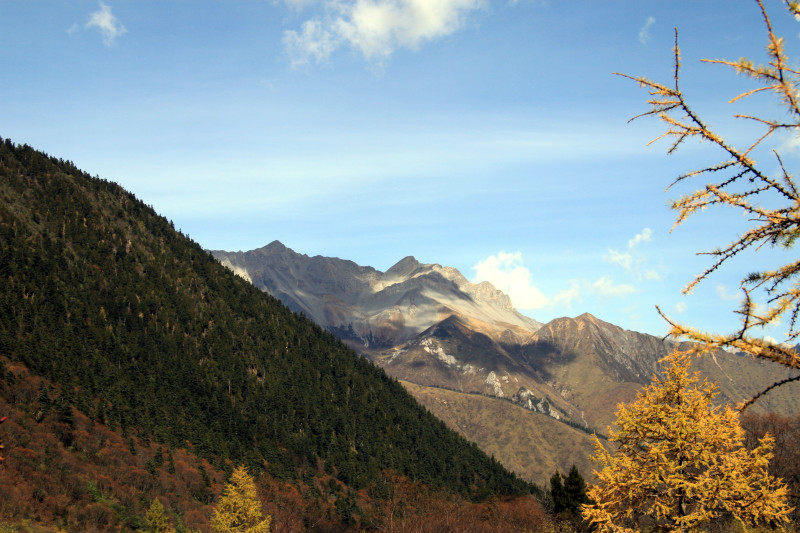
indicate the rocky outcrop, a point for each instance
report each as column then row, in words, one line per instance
column 530, row 401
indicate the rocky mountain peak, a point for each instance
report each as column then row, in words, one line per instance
column 371, row 308
column 405, row 267
column 275, row 246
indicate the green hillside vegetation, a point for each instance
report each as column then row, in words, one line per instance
column 144, row 331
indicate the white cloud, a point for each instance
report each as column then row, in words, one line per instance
column 622, row 259
column 566, row 297
column 107, row 23
column 603, row 287
column 722, row 292
column 606, row 288
column 313, row 42
column 632, row 261
column 652, row 275
column 644, row 33
column 790, row 143
column 375, row 28
column 681, row 307
column 645, row 236
column 506, row 272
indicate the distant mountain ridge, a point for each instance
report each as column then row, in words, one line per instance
column 434, row 330
column 375, row 310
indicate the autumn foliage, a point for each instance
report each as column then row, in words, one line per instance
column 785, row 462
column 239, row 507
column 3, row 419
column 767, row 195
column 65, row 471
column 681, row 463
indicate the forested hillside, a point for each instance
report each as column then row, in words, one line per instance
column 144, row 331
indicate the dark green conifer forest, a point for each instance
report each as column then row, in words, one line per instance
column 142, row 330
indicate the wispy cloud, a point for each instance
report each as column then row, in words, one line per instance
column 652, row 275
column 645, row 236
column 625, row 260
column 724, row 294
column 632, row 260
column 507, row 272
column 579, row 290
column 606, row 288
column 108, row 25
column 375, row 28
column 565, row 298
column 644, row 33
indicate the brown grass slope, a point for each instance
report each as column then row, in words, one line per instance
column 530, row 444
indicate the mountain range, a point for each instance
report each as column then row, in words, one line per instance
column 471, row 358
column 374, row 310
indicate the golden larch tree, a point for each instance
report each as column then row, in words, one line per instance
column 680, row 462
column 156, row 518
column 239, row 508
column 766, row 194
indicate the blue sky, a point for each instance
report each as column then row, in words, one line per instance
column 486, row 135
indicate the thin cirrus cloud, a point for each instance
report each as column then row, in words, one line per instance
column 375, row 28
column 644, row 33
column 724, row 294
column 105, row 22
column 645, row 236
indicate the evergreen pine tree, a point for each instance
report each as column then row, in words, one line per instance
column 575, row 489
column 558, row 494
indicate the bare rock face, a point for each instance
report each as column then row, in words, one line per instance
column 374, row 310
column 530, row 401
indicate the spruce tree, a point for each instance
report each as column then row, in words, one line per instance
column 575, row 490
column 558, row 494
